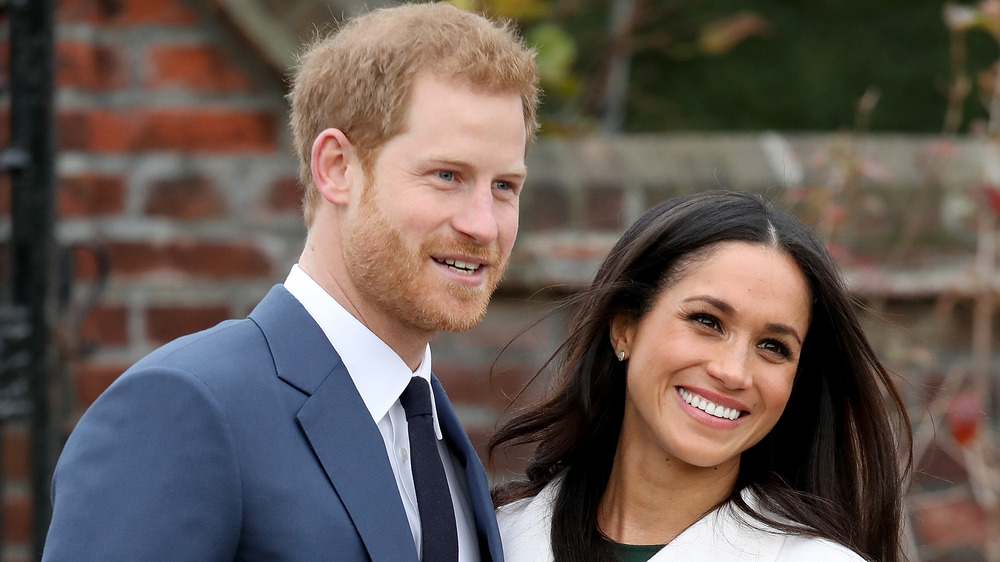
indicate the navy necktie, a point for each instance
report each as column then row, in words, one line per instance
column 437, row 514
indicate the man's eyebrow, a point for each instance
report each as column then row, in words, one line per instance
column 518, row 172
column 515, row 170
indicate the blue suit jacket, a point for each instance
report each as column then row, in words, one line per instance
column 247, row 441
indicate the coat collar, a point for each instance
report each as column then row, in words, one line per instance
column 349, row 446
column 722, row 535
column 337, row 425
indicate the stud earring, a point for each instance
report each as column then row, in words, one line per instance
column 621, row 355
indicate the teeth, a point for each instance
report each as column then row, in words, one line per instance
column 461, row 266
column 716, row 410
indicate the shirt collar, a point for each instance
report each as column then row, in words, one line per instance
column 378, row 372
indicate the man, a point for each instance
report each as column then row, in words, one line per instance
column 287, row 435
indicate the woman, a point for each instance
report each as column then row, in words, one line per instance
column 716, row 397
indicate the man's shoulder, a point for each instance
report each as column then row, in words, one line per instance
column 224, row 343
column 214, row 370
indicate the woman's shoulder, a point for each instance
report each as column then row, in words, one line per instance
column 531, row 513
column 792, row 547
column 525, row 526
column 798, row 547
column 728, row 535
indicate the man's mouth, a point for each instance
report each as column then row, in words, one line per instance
column 459, row 266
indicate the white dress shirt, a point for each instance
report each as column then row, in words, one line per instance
column 380, row 376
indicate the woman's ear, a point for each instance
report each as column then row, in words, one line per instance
column 332, row 157
column 622, row 331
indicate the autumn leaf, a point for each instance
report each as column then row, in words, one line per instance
column 720, row 36
column 556, row 53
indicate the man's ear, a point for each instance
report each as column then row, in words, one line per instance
column 332, row 156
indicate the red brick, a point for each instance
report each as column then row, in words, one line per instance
column 950, row 524
column 479, row 437
column 164, row 324
column 5, row 194
column 5, row 263
column 90, row 195
column 477, row 385
column 106, row 326
column 5, row 125
column 544, row 207
column 604, row 209
column 87, row 260
column 16, row 453
column 215, row 260
column 125, row 12
column 285, row 196
column 203, row 68
column 72, row 130
column 89, row 66
column 220, row 260
column 92, row 379
column 936, row 469
column 16, row 518
column 4, row 58
column 185, row 198
column 85, row 195
column 507, row 463
column 192, row 130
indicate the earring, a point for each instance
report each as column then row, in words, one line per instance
column 621, row 355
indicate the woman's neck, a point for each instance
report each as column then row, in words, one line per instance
column 650, row 499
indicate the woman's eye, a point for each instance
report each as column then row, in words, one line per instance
column 446, row 175
column 706, row 320
column 775, row 347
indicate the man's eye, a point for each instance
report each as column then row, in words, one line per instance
column 502, row 185
column 446, row 175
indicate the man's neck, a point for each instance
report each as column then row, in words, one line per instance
column 407, row 342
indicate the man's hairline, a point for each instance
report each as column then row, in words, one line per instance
column 372, row 154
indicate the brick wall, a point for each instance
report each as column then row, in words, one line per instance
column 174, row 157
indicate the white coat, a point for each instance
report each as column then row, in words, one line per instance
column 720, row 536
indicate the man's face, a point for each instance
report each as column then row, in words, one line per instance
column 436, row 221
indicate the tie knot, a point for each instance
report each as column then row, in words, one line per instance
column 416, row 399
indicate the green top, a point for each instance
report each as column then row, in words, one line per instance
column 634, row 552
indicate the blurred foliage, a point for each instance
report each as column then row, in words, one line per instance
column 787, row 66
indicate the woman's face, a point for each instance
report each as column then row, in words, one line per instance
column 711, row 365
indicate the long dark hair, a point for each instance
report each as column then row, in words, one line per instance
column 830, row 468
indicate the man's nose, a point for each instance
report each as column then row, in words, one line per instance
column 476, row 217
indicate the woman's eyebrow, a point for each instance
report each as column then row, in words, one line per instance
column 727, row 308
column 722, row 305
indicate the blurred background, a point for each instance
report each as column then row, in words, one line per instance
column 148, row 190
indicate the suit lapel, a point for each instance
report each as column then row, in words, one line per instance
column 337, row 425
column 475, row 475
column 352, row 452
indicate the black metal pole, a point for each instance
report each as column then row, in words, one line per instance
column 32, row 66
